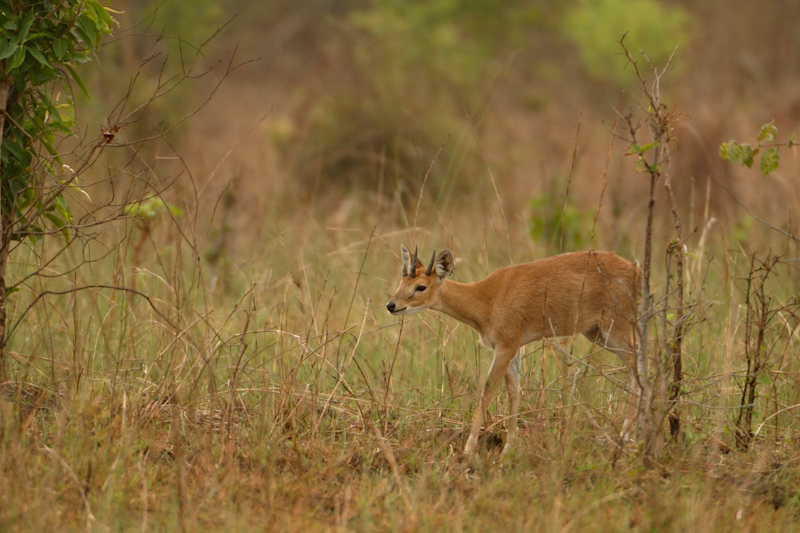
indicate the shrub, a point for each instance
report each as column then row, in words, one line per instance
column 596, row 27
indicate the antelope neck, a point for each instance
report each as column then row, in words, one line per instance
column 463, row 302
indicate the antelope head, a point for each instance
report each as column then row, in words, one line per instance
column 420, row 284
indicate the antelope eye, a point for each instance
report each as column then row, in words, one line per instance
column 420, row 288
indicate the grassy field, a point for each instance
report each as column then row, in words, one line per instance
column 234, row 367
column 279, row 394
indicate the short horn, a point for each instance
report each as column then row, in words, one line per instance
column 430, row 266
column 413, row 273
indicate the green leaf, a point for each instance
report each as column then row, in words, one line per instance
column 11, row 290
column 27, row 22
column 81, row 57
column 647, row 147
column 730, row 151
column 104, row 16
column 59, row 224
column 8, row 51
column 748, row 154
column 88, row 31
column 770, row 160
column 16, row 60
column 59, row 48
column 634, row 149
column 63, row 208
column 768, row 132
column 102, row 20
column 792, row 140
column 79, row 81
column 735, row 152
column 12, row 144
column 39, row 35
column 38, row 56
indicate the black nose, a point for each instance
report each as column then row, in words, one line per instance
column 390, row 307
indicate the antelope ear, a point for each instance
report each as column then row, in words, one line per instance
column 406, row 255
column 445, row 264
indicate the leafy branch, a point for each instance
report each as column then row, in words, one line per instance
column 745, row 154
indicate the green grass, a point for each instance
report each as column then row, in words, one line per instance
column 287, row 398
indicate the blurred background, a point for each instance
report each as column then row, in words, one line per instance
column 483, row 122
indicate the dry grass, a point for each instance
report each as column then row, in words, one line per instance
column 262, row 385
column 286, row 397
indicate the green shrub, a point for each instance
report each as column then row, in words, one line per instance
column 416, row 66
column 596, row 26
column 549, row 217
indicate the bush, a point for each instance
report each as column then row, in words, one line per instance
column 596, row 27
column 416, row 65
column 550, row 218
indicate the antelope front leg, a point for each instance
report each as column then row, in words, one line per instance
column 512, row 384
column 500, row 367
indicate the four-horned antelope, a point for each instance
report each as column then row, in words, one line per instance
column 591, row 293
